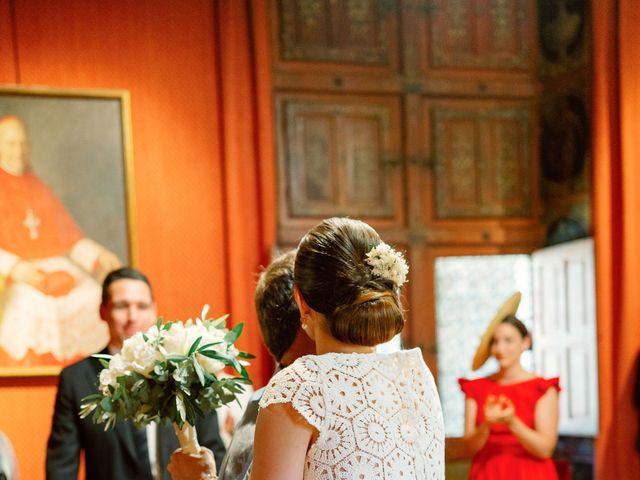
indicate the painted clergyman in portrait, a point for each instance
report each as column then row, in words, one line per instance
column 50, row 268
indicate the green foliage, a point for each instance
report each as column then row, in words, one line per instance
column 177, row 387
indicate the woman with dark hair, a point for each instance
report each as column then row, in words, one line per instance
column 346, row 412
column 349, row 412
column 511, row 417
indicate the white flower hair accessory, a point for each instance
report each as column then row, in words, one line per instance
column 388, row 263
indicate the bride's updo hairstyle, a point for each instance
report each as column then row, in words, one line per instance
column 334, row 278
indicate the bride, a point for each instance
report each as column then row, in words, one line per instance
column 349, row 412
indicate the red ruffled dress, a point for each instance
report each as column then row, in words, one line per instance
column 503, row 457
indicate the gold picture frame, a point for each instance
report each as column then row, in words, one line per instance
column 66, row 160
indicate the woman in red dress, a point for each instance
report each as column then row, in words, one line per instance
column 511, row 417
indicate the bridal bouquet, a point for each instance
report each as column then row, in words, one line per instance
column 170, row 372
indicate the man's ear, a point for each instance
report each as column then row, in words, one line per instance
column 104, row 314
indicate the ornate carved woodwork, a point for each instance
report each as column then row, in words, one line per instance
column 339, row 156
column 480, row 34
column 346, row 31
column 482, row 159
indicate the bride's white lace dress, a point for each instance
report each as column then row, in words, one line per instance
column 378, row 415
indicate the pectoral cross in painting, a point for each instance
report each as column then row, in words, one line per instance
column 31, row 222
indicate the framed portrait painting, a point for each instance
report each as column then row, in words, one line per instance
column 65, row 221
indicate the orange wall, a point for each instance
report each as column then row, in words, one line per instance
column 200, row 154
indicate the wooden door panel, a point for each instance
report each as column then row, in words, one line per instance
column 364, row 166
column 334, row 159
column 506, row 167
column 564, row 330
column 457, row 175
column 312, row 147
column 352, row 32
column 478, row 35
column 483, row 159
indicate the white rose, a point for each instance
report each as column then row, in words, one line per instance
column 139, row 354
column 192, row 332
column 174, row 339
column 106, row 379
column 212, row 335
column 130, row 344
column 117, row 365
column 108, row 376
column 152, row 334
column 180, row 337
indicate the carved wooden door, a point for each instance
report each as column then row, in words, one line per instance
column 481, row 156
column 339, row 156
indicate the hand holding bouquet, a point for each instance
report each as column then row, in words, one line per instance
column 170, row 373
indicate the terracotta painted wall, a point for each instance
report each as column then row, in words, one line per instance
column 200, row 153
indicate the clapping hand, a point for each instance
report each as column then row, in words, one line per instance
column 499, row 410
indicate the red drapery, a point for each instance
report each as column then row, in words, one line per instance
column 616, row 149
column 245, row 110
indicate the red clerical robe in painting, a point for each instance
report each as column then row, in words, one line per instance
column 61, row 316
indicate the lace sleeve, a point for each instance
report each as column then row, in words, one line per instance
column 298, row 386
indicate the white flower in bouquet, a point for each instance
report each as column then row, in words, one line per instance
column 170, row 373
column 140, row 354
column 180, row 338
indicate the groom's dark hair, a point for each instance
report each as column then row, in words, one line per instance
column 123, row 273
column 277, row 311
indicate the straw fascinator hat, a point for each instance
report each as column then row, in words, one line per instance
column 483, row 352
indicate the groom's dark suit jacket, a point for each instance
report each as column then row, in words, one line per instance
column 239, row 457
column 109, row 455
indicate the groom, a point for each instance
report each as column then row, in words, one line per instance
column 123, row 452
column 279, row 320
